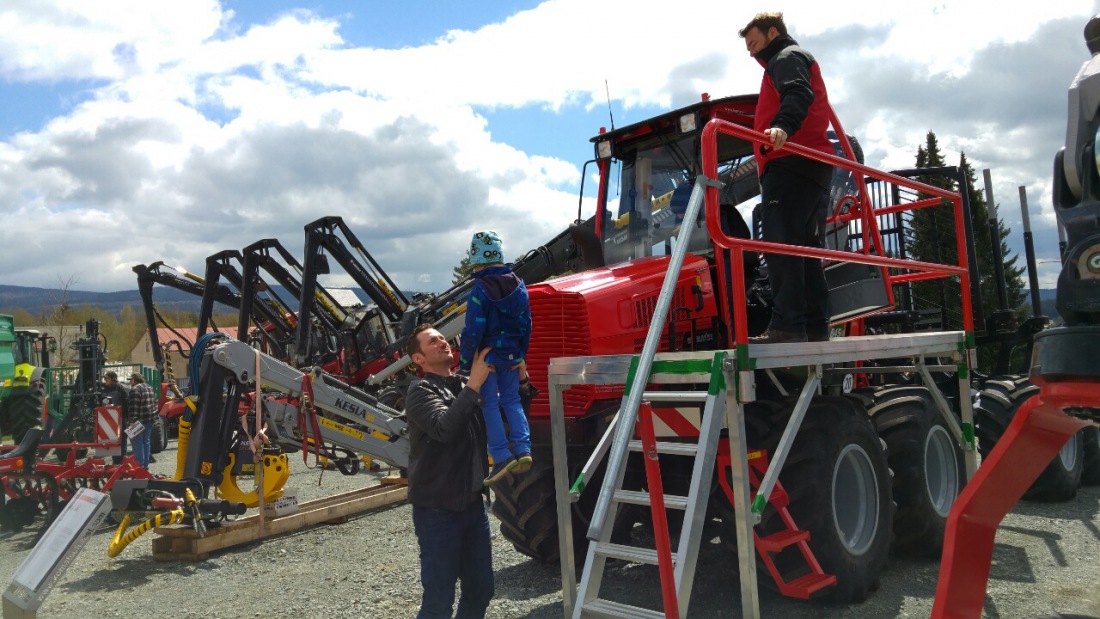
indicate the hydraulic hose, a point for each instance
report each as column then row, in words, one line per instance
column 120, row 541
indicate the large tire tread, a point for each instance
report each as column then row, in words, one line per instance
column 999, row 401
column 906, row 418
column 21, row 411
column 159, row 439
column 524, row 504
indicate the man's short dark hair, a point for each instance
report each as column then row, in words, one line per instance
column 110, row 374
column 413, row 345
column 765, row 22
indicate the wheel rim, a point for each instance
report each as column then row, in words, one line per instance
column 855, row 499
column 1068, row 454
column 941, row 470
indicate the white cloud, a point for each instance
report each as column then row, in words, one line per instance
column 198, row 133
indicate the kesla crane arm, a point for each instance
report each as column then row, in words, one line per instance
column 235, row 364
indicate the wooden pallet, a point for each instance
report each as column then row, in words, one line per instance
column 182, row 543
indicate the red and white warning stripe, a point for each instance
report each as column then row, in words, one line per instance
column 108, row 426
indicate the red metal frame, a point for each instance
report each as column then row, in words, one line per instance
column 657, row 509
column 1036, row 434
column 867, row 214
column 816, row 579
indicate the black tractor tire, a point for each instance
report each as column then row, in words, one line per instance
column 927, row 463
column 1090, row 475
column 21, row 411
column 525, row 505
column 158, row 440
column 998, row 402
column 838, row 481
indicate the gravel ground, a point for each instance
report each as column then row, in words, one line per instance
column 1047, row 560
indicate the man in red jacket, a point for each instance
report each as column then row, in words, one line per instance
column 793, row 107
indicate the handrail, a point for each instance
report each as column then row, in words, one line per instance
column 737, row 246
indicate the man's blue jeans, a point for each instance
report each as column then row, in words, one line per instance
column 143, row 444
column 454, row 546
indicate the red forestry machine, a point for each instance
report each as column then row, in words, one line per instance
column 848, row 450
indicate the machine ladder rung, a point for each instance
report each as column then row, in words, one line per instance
column 783, row 539
column 672, row 449
column 675, row 396
column 634, row 554
column 638, row 497
column 805, row 586
column 616, row 610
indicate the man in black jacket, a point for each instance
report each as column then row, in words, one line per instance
column 793, row 107
column 447, row 463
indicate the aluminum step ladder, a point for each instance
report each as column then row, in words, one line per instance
column 676, row 586
column 611, row 491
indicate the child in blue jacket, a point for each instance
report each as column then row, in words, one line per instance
column 498, row 316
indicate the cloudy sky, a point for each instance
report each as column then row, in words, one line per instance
column 135, row 131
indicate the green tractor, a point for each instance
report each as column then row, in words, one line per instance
column 24, row 358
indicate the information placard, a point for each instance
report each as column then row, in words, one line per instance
column 57, row 549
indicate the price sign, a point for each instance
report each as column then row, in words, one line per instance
column 57, row 549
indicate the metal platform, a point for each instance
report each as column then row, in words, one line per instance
column 914, row 352
column 613, row 369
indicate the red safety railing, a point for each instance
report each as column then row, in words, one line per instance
column 865, row 212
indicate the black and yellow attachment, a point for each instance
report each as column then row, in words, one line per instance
column 276, row 472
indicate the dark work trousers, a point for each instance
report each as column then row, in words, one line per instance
column 793, row 212
column 454, row 546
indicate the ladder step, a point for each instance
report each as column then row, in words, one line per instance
column 637, row 497
column 783, row 539
column 675, row 396
column 675, row 449
column 633, row 554
column 607, row 608
column 805, row 586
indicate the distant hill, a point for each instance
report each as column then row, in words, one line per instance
column 37, row 300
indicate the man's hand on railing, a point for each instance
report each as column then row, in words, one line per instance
column 777, row 136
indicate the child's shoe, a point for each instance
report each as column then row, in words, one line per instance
column 524, row 462
column 500, row 471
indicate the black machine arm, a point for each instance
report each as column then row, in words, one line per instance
column 266, row 313
column 322, row 236
column 157, row 273
column 258, row 256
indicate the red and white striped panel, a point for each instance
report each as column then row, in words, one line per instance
column 682, row 421
column 108, row 427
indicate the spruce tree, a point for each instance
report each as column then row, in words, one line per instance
column 930, row 237
column 462, row 270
